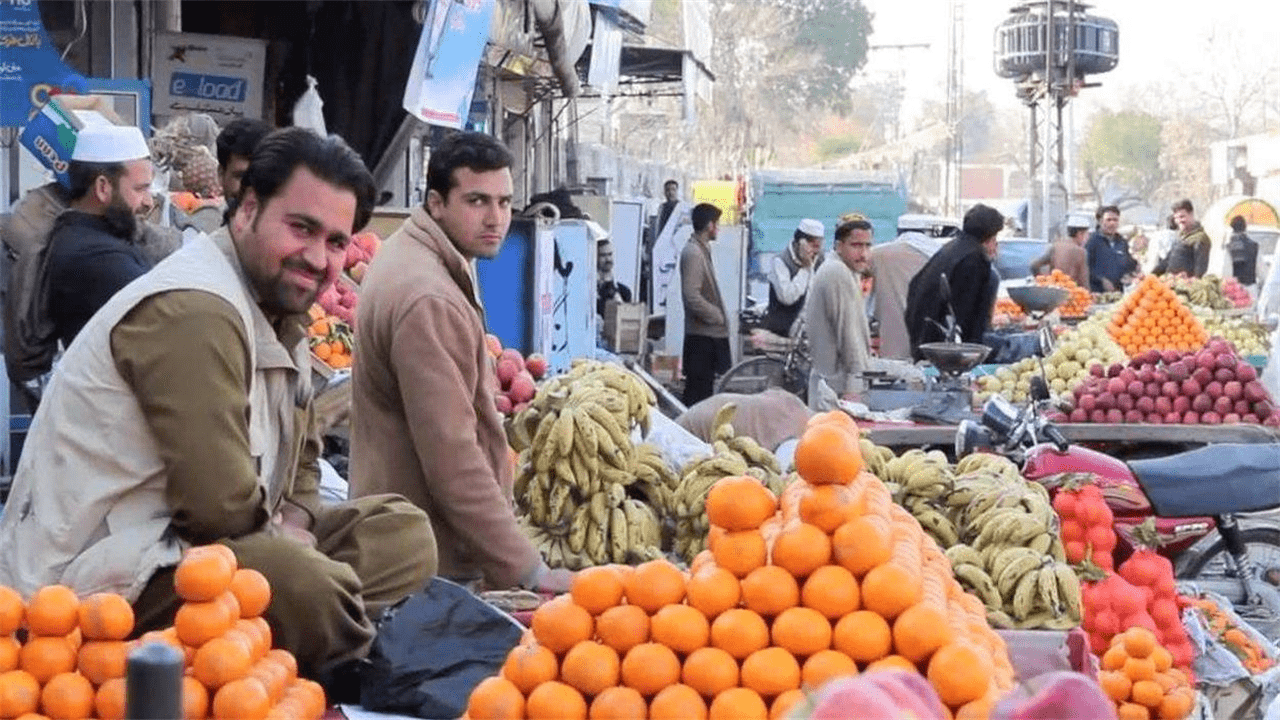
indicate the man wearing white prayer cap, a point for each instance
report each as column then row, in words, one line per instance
column 92, row 248
column 789, row 274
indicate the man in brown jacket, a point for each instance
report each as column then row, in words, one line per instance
column 706, row 325
column 1067, row 255
column 423, row 414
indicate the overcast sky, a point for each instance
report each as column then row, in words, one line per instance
column 1159, row 39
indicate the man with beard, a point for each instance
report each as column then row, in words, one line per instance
column 92, row 252
column 425, row 424
column 182, row 416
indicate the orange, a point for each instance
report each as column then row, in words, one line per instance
column 862, row 543
column 827, row 453
column 495, row 698
column 67, row 696
column 110, row 700
column 892, row 662
column 220, row 661
column 197, row 623
column 528, row 666
column 741, row 552
column 1176, row 705
column 740, row 503
column 218, row 549
column 785, row 703
column 801, row 548
column 713, row 590
column 590, row 667
column 710, row 671
column 649, row 667
column 1140, row 669
column 555, row 701
column 1114, row 657
column 677, row 702
column 801, row 631
column 202, row 575
column 831, row 590
column 1132, row 711
column 771, row 671
column 960, row 672
column 890, row 589
column 105, row 616
column 53, row 610
column 101, row 660
column 195, row 698
column 560, row 624
column 654, row 584
column 310, row 694
column 19, row 693
column 259, row 635
column 827, row 507
column 738, row 704
column 623, row 627
column 12, row 610
column 45, row 657
column 242, row 699
column 285, row 659
column 680, row 627
column 863, row 636
column 1162, row 658
column 839, row 418
column 919, row 630
column 739, row 632
column 1147, row 692
column 272, row 676
column 1139, row 642
column 619, row 703
column 252, row 591
column 769, row 590
column 597, row 589
column 9, row 651
column 825, row 665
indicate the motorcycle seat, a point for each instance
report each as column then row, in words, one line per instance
column 1213, row 480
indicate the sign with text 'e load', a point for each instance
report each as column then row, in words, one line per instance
column 443, row 76
column 218, row 75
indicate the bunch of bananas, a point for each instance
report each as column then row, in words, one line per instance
column 999, row 531
column 1011, row 553
column 578, row 464
column 734, row 455
column 1205, row 291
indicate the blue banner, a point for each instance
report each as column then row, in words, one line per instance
column 443, row 76
column 30, row 70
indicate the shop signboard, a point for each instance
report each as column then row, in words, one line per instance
column 571, row 329
column 218, row 75
column 443, row 76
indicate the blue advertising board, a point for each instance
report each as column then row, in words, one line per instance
column 443, row 76
column 30, row 69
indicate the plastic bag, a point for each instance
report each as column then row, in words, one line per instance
column 432, row 648
column 308, row 111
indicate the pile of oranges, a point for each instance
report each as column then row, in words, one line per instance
column 1138, row 675
column 1077, row 305
column 330, row 338
column 832, row 580
column 72, row 664
column 1152, row 317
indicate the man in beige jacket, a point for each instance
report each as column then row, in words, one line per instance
column 706, row 324
column 424, row 423
column 181, row 415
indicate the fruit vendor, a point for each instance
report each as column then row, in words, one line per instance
column 836, row 316
column 1067, row 255
column 91, row 250
column 182, row 415
column 789, row 274
column 967, row 263
column 1108, row 251
column 1190, row 252
column 424, row 420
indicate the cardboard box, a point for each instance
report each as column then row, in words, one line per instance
column 625, row 326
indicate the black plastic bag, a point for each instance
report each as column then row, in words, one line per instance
column 432, row 648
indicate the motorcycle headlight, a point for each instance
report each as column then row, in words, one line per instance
column 970, row 437
column 1000, row 416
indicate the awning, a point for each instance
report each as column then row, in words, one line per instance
column 641, row 64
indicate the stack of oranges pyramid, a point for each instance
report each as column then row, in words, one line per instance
column 1153, row 317
column 1079, row 300
column 831, row 581
column 72, row 665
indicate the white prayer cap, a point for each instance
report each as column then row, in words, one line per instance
column 812, row 228
column 107, row 143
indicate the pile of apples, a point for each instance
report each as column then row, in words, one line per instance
column 1236, row 293
column 1211, row 386
column 339, row 300
column 517, row 376
column 360, row 252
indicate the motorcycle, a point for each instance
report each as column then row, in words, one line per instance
column 1201, row 501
